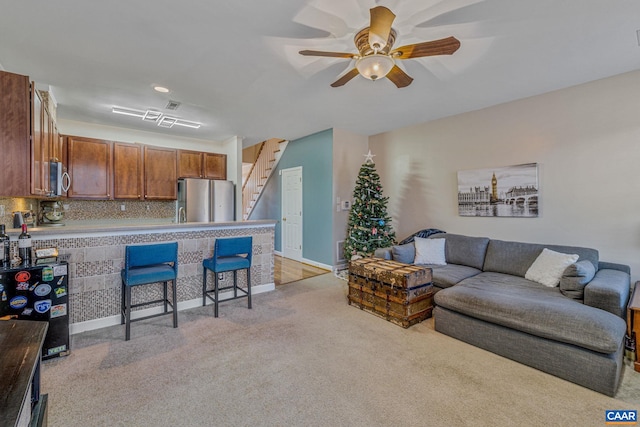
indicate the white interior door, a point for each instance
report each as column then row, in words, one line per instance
column 292, row 213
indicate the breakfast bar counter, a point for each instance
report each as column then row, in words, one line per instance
column 95, row 253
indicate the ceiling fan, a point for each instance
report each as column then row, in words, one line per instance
column 376, row 59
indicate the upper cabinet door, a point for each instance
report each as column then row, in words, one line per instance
column 215, row 166
column 189, row 164
column 37, row 142
column 160, row 173
column 89, row 164
column 127, row 171
column 15, row 132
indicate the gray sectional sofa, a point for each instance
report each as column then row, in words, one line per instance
column 574, row 331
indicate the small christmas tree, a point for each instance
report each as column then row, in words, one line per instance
column 369, row 226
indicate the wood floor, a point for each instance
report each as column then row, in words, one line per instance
column 286, row 270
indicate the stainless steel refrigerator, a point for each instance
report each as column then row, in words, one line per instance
column 205, row 200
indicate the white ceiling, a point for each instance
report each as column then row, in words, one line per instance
column 235, row 67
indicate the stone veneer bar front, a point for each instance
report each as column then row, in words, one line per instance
column 96, row 256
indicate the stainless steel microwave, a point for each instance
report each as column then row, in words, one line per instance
column 59, row 179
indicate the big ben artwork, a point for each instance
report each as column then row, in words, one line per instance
column 494, row 188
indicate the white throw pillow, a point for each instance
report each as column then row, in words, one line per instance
column 429, row 251
column 549, row 266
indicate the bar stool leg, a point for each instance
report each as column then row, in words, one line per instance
column 166, row 309
column 215, row 293
column 175, row 303
column 249, row 285
column 128, row 313
column 122, row 304
column 204, row 286
column 235, row 283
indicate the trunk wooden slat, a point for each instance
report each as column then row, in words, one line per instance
column 399, row 293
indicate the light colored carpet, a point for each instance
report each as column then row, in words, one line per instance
column 303, row 357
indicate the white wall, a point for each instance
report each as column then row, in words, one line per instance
column 585, row 139
column 348, row 155
column 233, row 149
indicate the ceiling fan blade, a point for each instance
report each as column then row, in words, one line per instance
column 331, row 54
column 380, row 27
column 444, row 46
column 399, row 77
column 344, row 79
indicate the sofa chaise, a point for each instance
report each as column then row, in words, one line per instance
column 574, row 330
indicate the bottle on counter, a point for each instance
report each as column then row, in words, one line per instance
column 5, row 248
column 24, row 245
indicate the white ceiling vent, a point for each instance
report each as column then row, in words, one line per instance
column 172, row 105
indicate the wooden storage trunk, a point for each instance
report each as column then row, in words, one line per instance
column 399, row 293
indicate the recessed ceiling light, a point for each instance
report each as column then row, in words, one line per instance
column 161, row 89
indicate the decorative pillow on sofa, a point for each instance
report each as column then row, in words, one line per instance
column 404, row 253
column 575, row 278
column 430, row 251
column 549, row 266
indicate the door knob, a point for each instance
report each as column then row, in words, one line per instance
column 284, row 219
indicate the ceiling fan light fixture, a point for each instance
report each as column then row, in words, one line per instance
column 376, row 66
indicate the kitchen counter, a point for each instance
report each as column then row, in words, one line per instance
column 141, row 226
column 95, row 254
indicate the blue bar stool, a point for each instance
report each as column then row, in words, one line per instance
column 230, row 254
column 143, row 265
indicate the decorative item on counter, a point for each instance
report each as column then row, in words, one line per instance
column 51, row 213
column 24, row 245
column 46, row 256
column 5, row 247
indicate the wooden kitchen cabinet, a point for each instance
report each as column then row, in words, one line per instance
column 197, row 164
column 215, row 166
column 45, row 143
column 90, row 166
column 160, row 173
column 38, row 148
column 189, row 164
column 15, row 130
column 127, row 171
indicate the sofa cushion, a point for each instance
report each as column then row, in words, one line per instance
column 534, row 309
column 516, row 257
column 575, row 278
column 445, row 276
column 549, row 266
column 429, row 251
column 464, row 250
column 404, row 253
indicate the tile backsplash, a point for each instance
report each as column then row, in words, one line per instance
column 90, row 210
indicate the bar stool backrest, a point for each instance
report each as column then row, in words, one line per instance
column 137, row 256
column 234, row 246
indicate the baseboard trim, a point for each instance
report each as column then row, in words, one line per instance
column 308, row 261
column 90, row 325
column 317, row 264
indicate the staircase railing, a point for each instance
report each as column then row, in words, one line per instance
column 268, row 155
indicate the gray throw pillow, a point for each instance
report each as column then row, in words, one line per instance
column 404, row 253
column 575, row 278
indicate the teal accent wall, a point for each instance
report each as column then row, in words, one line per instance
column 315, row 154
